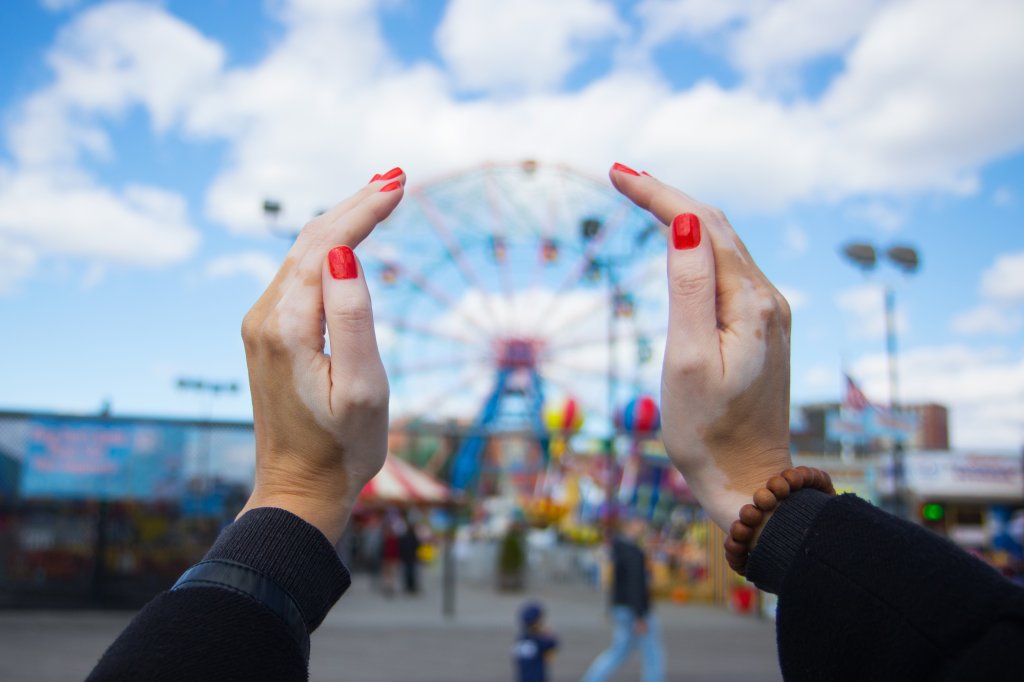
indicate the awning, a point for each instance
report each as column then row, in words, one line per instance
column 398, row 482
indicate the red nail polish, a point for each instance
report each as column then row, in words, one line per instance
column 391, row 174
column 685, row 231
column 390, row 187
column 342, row 263
column 375, row 178
column 624, row 169
column 645, row 173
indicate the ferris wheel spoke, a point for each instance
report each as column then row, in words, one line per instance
column 436, row 400
column 403, row 325
column 451, row 245
column 636, row 333
column 577, row 271
column 500, row 232
column 438, row 295
column 453, row 362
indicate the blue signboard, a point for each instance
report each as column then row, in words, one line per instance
column 103, row 460
column 862, row 426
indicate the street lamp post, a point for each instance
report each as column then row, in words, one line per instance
column 905, row 258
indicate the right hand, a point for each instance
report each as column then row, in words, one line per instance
column 725, row 378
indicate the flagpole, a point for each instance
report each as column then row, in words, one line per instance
column 898, row 470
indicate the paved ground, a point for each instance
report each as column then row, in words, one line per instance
column 369, row 638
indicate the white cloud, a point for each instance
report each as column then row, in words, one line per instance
column 1004, row 280
column 987, row 319
column 69, row 214
column 260, row 266
column 865, row 306
column 882, row 215
column 1003, row 197
column 16, row 262
column 795, row 240
column 328, row 106
column 786, row 35
column 768, row 41
column 494, row 45
column 984, row 389
column 797, row 298
column 105, row 61
column 1002, row 293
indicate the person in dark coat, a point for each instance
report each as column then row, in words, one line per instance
column 635, row 627
column 408, row 555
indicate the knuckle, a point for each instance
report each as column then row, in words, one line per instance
column 365, row 395
column 785, row 313
column 717, row 215
column 250, row 327
column 690, row 285
column 356, row 317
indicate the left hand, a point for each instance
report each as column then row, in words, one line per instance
column 321, row 421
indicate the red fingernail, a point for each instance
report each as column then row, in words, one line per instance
column 645, row 173
column 342, row 263
column 375, row 178
column 391, row 174
column 685, row 231
column 624, row 169
column 391, row 186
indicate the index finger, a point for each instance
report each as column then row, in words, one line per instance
column 739, row 283
column 666, row 202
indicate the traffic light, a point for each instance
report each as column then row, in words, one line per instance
column 933, row 511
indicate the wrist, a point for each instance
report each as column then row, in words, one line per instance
column 330, row 517
column 753, row 518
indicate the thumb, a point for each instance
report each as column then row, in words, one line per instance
column 349, row 318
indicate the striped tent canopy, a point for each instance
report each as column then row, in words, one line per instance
column 398, row 482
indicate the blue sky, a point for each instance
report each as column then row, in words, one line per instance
column 139, row 139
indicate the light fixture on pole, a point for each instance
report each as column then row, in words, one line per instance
column 905, row 258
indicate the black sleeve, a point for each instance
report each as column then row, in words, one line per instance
column 866, row 596
column 213, row 633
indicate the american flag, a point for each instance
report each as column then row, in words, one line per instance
column 855, row 400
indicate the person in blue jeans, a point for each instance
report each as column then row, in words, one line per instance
column 534, row 647
column 634, row 623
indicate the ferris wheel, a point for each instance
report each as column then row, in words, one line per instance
column 507, row 284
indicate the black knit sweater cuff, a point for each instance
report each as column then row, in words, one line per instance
column 782, row 538
column 292, row 553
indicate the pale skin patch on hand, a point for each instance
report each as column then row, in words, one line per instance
column 728, row 446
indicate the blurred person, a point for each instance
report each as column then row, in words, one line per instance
column 862, row 595
column 535, row 646
column 389, row 555
column 408, row 555
column 370, row 547
column 635, row 626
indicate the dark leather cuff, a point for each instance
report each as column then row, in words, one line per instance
column 239, row 578
column 292, row 553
